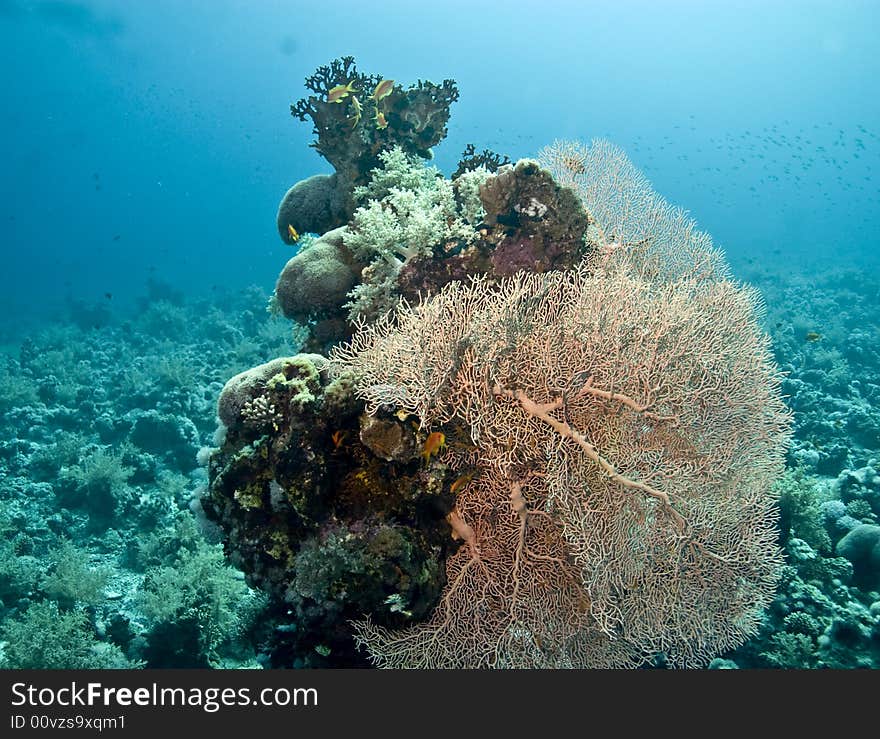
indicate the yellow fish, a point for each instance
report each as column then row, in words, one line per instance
column 461, row 482
column 813, row 336
column 383, row 90
column 357, row 108
column 292, row 234
column 433, row 444
column 340, row 92
column 380, row 120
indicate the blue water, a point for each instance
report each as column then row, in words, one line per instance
column 153, row 138
column 145, row 146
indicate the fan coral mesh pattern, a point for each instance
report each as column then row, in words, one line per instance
column 626, row 434
column 662, row 240
column 626, row 427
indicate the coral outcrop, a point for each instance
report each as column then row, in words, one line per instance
column 356, row 117
column 328, row 511
column 542, row 388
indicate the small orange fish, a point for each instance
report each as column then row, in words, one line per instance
column 433, row 444
column 461, row 481
column 383, row 90
column 340, row 92
column 813, row 336
column 380, row 120
column 292, row 233
column 337, row 437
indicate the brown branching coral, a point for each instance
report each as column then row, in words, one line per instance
column 356, row 127
column 472, row 160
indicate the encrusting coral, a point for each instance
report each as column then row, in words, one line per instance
column 328, row 511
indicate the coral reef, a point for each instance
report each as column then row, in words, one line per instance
column 574, row 551
column 825, row 614
column 390, row 227
column 99, row 474
column 305, row 485
column 418, row 231
column 833, row 381
column 391, row 500
column 524, row 222
column 75, row 393
column 415, row 231
column 356, row 117
column 329, row 513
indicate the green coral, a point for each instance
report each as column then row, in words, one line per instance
column 163, row 545
column 799, row 506
column 174, row 373
column 16, row 390
column 279, row 546
column 46, row 637
column 299, row 381
column 71, row 579
column 250, row 496
column 410, row 209
column 398, row 171
column 199, row 602
column 46, row 461
column 467, row 189
column 791, row 650
column 98, row 483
